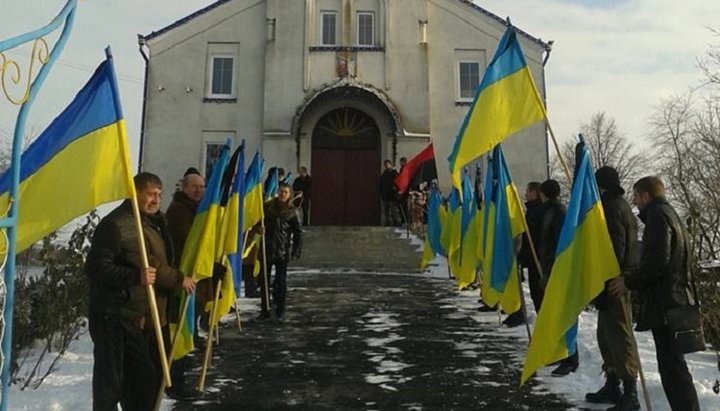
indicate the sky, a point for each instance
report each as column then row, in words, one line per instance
column 616, row 56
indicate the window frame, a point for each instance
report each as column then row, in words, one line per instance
column 321, row 37
column 211, row 75
column 373, row 39
column 459, row 89
column 205, row 165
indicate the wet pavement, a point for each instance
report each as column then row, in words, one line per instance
column 370, row 341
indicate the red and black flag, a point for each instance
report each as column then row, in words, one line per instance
column 419, row 169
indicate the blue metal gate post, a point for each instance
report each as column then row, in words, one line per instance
column 66, row 16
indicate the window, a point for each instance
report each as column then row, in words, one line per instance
column 222, row 76
column 212, row 154
column 328, row 28
column 365, row 28
column 469, row 79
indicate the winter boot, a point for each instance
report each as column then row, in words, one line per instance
column 608, row 394
column 629, row 400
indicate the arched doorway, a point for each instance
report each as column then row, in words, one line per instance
column 345, row 169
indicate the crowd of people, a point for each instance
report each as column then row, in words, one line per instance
column 127, row 366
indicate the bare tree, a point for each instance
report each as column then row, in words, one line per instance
column 608, row 147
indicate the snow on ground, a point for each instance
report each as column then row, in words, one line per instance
column 69, row 388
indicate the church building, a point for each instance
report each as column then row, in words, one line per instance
column 336, row 86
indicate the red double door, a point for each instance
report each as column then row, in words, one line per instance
column 345, row 170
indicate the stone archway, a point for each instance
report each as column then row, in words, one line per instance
column 345, row 163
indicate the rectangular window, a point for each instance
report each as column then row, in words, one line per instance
column 328, row 28
column 222, row 76
column 469, row 79
column 212, row 154
column 365, row 28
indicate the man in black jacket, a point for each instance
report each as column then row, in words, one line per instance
column 389, row 195
column 283, row 238
column 661, row 281
column 552, row 222
column 614, row 328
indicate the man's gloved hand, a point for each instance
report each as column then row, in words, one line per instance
column 219, row 271
column 295, row 255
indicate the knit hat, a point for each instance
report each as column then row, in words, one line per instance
column 550, row 188
column 607, row 178
column 191, row 170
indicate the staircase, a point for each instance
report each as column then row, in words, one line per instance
column 373, row 249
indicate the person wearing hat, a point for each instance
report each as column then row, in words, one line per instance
column 553, row 218
column 614, row 326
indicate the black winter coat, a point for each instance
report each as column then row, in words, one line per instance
column 552, row 222
column 622, row 226
column 661, row 278
column 388, row 190
column 282, row 231
column 534, row 218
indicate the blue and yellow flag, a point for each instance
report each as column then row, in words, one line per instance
column 253, row 211
column 584, row 261
column 80, row 161
column 504, row 221
column 506, row 102
column 199, row 253
column 236, row 204
column 467, row 257
column 450, row 235
column 272, row 186
column 436, row 219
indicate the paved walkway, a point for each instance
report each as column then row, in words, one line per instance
column 371, row 341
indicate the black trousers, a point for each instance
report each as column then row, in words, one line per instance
column 123, row 371
column 536, row 288
column 279, row 287
column 676, row 379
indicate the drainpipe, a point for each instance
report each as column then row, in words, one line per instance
column 141, row 47
column 548, row 49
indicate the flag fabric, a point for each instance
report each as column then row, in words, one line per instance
column 504, row 222
column 80, row 161
column 467, row 258
column 506, row 102
column 584, row 261
column 254, row 202
column 198, row 255
column 450, row 234
column 288, row 178
column 419, row 169
column 436, row 219
column 271, row 186
column 236, row 204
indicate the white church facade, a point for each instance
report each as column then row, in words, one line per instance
column 337, row 86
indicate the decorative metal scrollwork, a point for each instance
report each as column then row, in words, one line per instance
column 10, row 70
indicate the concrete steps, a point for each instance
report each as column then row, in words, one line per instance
column 375, row 249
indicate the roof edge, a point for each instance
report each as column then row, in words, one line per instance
column 183, row 20
column 504, row 22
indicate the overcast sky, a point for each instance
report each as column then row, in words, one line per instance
column 617, row 56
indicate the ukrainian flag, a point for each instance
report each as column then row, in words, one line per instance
column 450, row 235
column 504, row 222
column 79, row 162
column 198, row 255
column 584, row 261
column 236, row 202
column 273, row 185
column 253, row 211
column 506, row 102
column 436, row 219
column 468, row 262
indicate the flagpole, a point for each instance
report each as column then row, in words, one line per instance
column 265, row 269
column 237, row 305
column 209, row 344
column 557, row 150
column 173, row 345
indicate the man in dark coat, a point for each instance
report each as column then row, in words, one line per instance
column 283, row 238
column 661, row 282
column 614, row 328
column 127, row 360
column 301, row 187
column 389, row 195
column 552, row 222
column 534, row 218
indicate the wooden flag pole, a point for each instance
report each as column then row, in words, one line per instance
column 209, row 344
column 557, row 150
column 181, row 323
column 151, row 293
column 646, row 395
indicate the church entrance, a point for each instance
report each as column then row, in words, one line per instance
column 345, row 169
